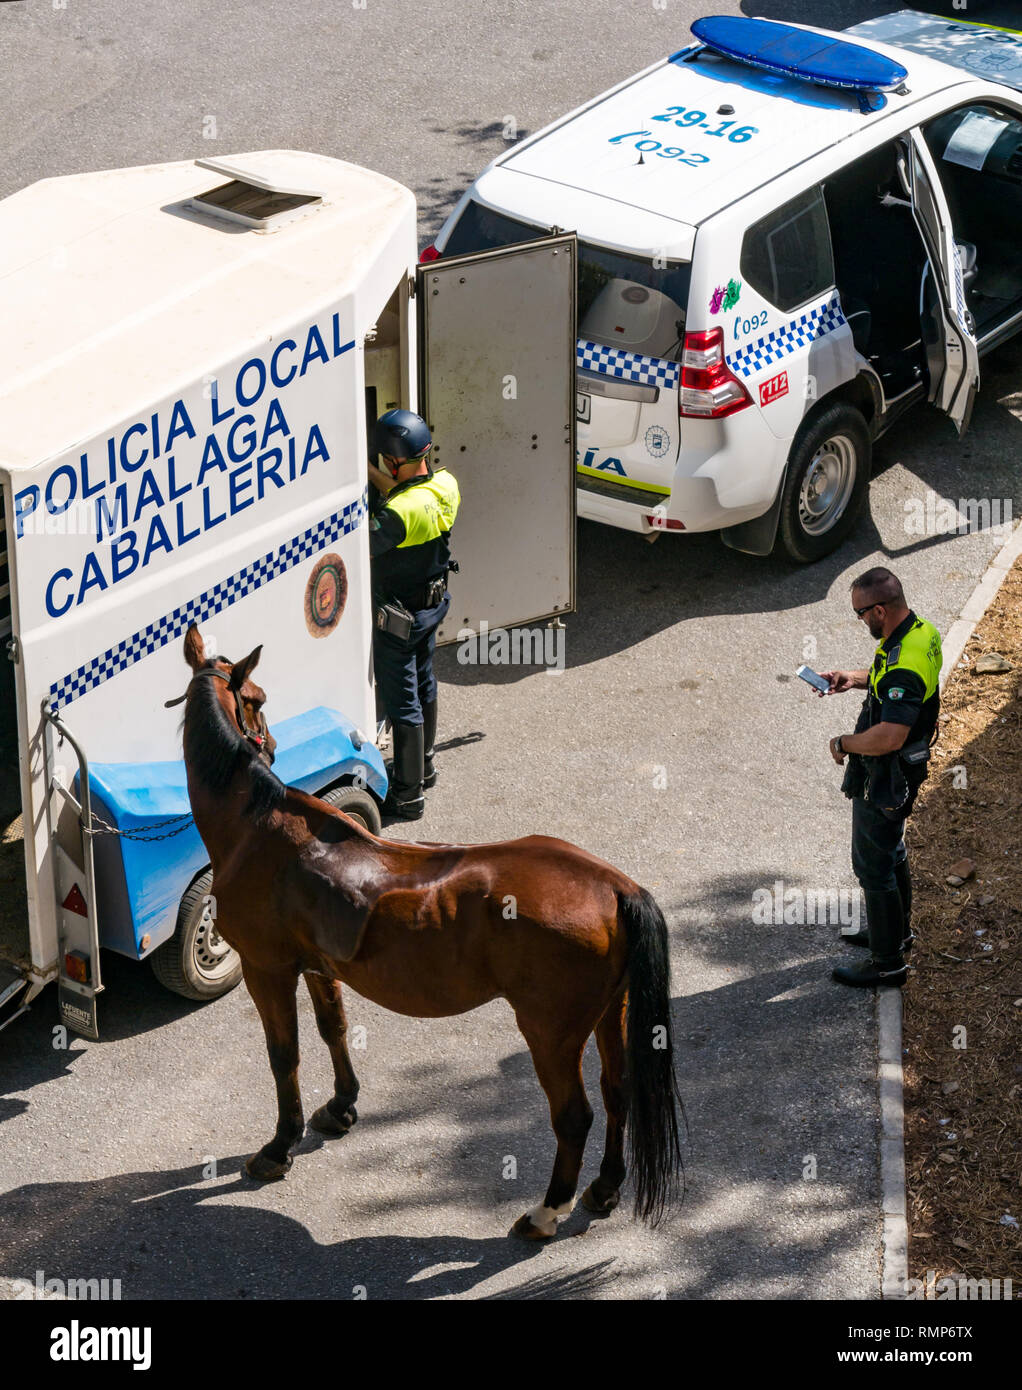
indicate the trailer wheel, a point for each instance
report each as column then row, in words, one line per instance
column 197, row 962
column 827, row 482
column 357, row 803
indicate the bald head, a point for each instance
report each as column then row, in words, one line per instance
column 878, row 598
column 879, row 585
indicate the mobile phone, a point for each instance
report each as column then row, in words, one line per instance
column 810, row 677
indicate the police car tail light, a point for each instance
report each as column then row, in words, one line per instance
column 709, row 389
column 428, row 253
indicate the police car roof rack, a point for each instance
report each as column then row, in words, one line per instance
column 804, row 54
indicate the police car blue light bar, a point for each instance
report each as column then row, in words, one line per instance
column 800, row 53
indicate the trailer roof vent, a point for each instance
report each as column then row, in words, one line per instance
column 251, row 199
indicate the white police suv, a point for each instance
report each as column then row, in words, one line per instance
column 786, row 238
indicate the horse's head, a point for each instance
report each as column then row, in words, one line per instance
column 239, row 697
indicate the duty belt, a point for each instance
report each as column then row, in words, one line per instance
column 431, row 595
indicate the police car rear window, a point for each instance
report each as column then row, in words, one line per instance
column 787, row 255
column 481, row 229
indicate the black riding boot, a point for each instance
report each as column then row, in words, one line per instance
column 405, row 798
column 886, row 965
column 904, row 881
column 429, row 739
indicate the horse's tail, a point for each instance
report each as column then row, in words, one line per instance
column 654, row 1101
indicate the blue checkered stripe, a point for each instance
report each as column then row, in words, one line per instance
column 801, row 332
column 629, row 366
column 173, row 625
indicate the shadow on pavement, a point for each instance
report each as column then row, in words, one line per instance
column 764, row 1068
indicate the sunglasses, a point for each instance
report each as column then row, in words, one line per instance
column 859, row 611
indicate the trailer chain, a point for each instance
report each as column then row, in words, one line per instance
column 102, row 827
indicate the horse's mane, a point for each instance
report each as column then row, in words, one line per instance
column 215, row 751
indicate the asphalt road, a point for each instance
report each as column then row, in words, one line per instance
column 679, row 663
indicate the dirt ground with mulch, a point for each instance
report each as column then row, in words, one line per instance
column 963, row 1089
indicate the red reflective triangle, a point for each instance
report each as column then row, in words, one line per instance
column 74, row 902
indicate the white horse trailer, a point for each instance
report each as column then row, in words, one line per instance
column 186, row 376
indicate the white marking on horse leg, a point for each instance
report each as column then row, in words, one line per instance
column 545, row 1218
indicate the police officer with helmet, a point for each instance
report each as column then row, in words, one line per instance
column 887, row 764
column 409, row 546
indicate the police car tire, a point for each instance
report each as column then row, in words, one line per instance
column 837, row 420
column 179, row 963
column 357, row 803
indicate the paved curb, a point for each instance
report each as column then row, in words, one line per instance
column 894, row 1244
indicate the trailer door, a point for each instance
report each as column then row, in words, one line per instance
column 497, row 386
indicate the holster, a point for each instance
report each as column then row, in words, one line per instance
column 435, row 590
column 916, row 755
column 888, row 788
column 889, row 783
column 854, row 781
column 394, row 618
column 914, row 759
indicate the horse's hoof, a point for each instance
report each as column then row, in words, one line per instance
column 326, row 1122
column 525, row 1230
column 265, row 1169
column 593, row 1203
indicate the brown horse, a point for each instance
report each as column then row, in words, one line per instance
column 571, row 943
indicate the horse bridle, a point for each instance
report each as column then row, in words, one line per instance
column 257, row 739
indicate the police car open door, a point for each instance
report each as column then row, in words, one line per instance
column 497, row 386
column 951, row 348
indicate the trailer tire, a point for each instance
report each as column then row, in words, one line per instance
column 357, row 803
column 826, row 484
column 196, row 962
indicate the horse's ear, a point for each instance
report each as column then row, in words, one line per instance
column 243, row 669
column 195, row 648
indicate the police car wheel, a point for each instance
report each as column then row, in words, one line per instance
column 197, row 962
column 357, row 803
column 826, row 484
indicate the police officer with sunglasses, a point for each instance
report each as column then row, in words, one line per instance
column 887, row 757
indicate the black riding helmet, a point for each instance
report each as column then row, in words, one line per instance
column 400, row 434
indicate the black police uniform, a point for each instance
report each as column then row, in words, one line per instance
column 409, row 544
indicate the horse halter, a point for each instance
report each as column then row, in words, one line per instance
column 257, row 739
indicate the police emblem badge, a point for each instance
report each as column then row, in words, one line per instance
column 325, row 595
